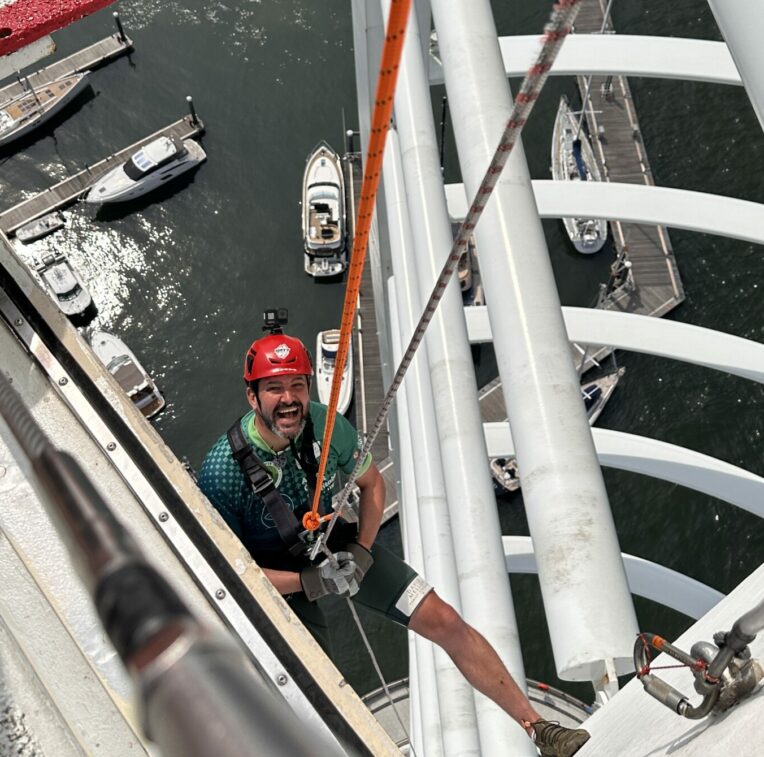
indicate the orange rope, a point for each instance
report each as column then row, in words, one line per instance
column 383, row 108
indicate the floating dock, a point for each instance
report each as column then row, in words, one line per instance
column 369, row 389
column 653, row 286
column 86, row 59
column 69, row 190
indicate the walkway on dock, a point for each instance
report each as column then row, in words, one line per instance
column 84, row 60
column 369, row 390
column 654, row 286
column 69, row 190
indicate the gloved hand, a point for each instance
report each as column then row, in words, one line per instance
column 363, row 560
column 319, row 580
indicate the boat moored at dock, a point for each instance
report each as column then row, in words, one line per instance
column 64, row 284
column 327, row 344
column 323, row 213
column 127, row 369
column 35, row 106
column 40, row 227
column 573, row 160
column 594, row 393
column 152, row 166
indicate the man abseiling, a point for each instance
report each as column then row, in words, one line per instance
column 280, row 436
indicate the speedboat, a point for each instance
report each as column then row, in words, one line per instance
column 327, row 346
column 573, row 160
column 34, row 107
column 323, row 213
column 40, row 227
column 63, row 283
column 152, row 166
column 594, row 393
column 130, row 374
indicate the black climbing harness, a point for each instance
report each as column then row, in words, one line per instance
column 257, row 474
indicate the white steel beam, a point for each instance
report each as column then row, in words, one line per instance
column 640, row 454
column 646, row 579
column 637, row 203
column 479, row 560
column 433, row 555
column 568, row 511
column 741, row 22
column 653, row 336
column 621, row 54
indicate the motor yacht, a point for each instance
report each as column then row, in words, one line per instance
column 126, row 368
column 63, row 283
column 327, row 346
column 155, row 164
column 323, row 213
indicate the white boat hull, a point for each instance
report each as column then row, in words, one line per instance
column 131, row 376
column 323, row 213
column 45, row 106
column 595, row 393
column 115, row 186
column 327, row 343
column 573, row 160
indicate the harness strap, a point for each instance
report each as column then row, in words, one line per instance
column 262, row 484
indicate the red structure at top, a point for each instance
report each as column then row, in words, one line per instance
column 24, row 21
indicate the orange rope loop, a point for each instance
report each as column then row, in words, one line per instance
column 383, row 108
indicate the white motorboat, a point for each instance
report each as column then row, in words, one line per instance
column 63, row 283
column 34, row 107
column 131, row 375
column 323, row 213
column 573, row 160
column 595, row 394
column 151, row 167
column 327, row 345
column 40, row 227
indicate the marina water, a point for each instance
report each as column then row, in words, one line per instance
column 183, row 276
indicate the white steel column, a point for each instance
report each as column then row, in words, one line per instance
column 435, row 551
column 483, row 579
column 586, row 597
column 741, row 22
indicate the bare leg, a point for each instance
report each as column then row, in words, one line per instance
column 473, row 656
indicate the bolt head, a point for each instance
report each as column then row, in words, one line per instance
column 281, row 679
column 63, row 381
column 220, row 594
column 164, row 517
column 111, row 446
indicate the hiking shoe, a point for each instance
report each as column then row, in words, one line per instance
column 554, row 740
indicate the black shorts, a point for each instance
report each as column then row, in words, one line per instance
column 391, row 588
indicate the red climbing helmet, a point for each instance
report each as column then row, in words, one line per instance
column 276, row 355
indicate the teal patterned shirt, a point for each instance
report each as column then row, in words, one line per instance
column 224, row 484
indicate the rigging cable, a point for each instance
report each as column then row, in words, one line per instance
column 555, row 31
column 383, row 109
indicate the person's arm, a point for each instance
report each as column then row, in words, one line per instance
column 371, row 505
column 285, row 581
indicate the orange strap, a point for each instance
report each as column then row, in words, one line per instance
column 383, row 108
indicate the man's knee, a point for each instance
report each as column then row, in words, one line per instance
column 436, row 620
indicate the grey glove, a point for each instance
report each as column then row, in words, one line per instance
column 319, row 580
column 363, row 560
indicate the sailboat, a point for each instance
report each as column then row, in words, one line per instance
column 573, row 160
column 594, row 393
column 34, row 107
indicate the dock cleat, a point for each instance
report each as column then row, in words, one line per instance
column 555, row 740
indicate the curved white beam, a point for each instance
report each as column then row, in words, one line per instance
column 637, row 203
column 639, row 454
column 646, row 579
column 653, row 336
column 629, row 55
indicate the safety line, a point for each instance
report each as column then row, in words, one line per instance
column 383, row 108
column 556, row 30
